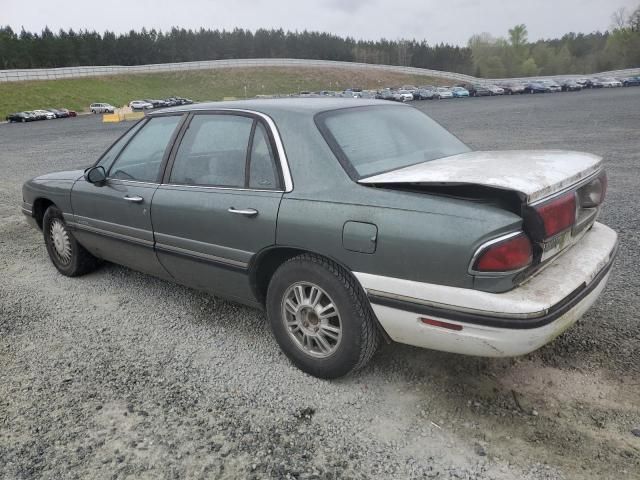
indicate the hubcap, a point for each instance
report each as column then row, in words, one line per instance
column 311, row 319
column 60, row 240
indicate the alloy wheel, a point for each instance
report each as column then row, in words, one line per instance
column 311, row 319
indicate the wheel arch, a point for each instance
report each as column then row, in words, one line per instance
column 40, row 206
column 264, row 264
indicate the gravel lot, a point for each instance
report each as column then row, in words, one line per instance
column 120, row 375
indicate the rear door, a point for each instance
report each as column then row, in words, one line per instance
column 219, row 203
column 113, row 221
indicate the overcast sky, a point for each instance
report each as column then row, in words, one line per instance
column 449, row 21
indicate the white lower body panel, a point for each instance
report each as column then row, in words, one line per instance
column 479, row 340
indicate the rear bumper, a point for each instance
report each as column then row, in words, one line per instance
column 495, row 325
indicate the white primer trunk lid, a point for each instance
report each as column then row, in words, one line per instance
column 535, row 174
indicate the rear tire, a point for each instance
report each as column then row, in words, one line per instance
column 321, row 317
column 66, row 254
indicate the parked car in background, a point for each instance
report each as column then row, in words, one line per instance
column 536, row 87
column 511, row 88
column 404, row 95
column 58, row 112
column 442, row 93
column 102, row 108
column 309, row 210
column 424, row 92
column 495, row 90
column 44, row 114
column 140, row 105
column 459, row 92
column 609, row 82
column 477, row 90
column 630, row 81
column 385, row 94
column 552, row 85
column 33, row 116
column 367, row 94
column 21, row 117
column 156, row 103
column 569, row 85
column 69, row 113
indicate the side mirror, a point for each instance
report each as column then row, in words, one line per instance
column 95, row 175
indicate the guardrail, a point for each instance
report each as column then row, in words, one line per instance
column 95, row 71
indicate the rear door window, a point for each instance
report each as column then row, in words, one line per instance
column 263, row 174
column 213, row 151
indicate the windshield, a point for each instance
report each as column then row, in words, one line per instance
column 372, row 140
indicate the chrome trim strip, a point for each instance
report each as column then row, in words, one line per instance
column 211, row 187
column 575, row 186
column 202, row 256
column 483, row 247
column 152, row 184
column 117, row 228
column 27, row 212
column 106, row 233
column 284, row 163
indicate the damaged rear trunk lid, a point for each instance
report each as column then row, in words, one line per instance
column 533, row 175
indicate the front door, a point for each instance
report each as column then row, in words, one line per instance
column 113, row 220
column 219, row 204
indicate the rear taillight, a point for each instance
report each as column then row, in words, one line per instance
column 512, row 253
column 592, row 194
column 557, row 214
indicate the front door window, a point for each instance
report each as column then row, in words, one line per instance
column 141, row 159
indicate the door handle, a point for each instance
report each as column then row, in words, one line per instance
column 134, row 198
column 247, row 212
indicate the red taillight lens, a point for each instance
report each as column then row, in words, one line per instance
column 592, row 194
column 511, row 254
column 558, row 214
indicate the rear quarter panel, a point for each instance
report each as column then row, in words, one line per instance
column 414, row 244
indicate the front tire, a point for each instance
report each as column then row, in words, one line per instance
column 66, row 254
column 321, row 317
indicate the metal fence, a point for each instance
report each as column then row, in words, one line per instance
column 78, row 72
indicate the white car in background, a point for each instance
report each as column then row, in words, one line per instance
column 443, row 92
column 140, row 105
column 102, row 108
column 610, row 82
column 495, row 90
column 45, row 113
column 403, row 96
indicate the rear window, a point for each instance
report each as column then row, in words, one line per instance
column 376, row 139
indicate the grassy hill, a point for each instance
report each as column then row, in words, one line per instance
column 199, row 85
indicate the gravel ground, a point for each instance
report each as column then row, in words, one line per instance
column 119, row 375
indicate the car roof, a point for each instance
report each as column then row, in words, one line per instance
column 269, row 106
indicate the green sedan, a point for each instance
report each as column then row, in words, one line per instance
column 349, row 222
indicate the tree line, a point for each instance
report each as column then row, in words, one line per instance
column 572, row 54
column 67, row 48
column 484, row 55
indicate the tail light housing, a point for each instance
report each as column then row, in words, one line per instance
column 504, row 255
column 592, row 194
column 557, row 214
